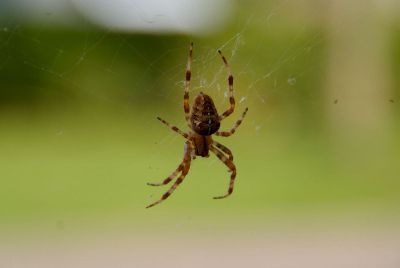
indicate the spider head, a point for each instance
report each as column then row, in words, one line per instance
column 204, row 117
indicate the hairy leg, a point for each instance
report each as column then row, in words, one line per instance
column 185, row 170
column 224, row 149
column 174, row 128
column 188, row 75
column 170, row 177
column 230, row 85
column 233, row 129
column 231, row 167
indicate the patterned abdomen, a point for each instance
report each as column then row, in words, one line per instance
column 204, row 117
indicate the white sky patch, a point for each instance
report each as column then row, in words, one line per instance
column 154, row 16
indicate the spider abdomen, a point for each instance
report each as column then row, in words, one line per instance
column 204, row 118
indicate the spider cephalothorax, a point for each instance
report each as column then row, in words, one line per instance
column 204, row 120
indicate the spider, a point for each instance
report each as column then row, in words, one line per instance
column 203, row 121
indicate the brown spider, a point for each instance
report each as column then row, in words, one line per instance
column 204, row 121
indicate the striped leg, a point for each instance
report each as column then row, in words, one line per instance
column 188, row 75
column 224, row 149
column 174, row 128
column 237, row 124
column 230, row 83
column 170, row 177
column 231, row 167
column 186, row 167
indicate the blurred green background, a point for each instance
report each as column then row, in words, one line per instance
column 79, row 137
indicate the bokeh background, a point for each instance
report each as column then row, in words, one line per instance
column 81, row 85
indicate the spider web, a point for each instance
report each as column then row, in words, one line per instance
column 76, row 66
column 208, row 69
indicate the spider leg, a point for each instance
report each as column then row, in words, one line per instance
column 186, row 166
column 188, row 75
column 230, row 84
column 178, row 169
column 174, row 128
column 224, row 149
column 170, row 177
column 233, row 129
column 231, row 167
